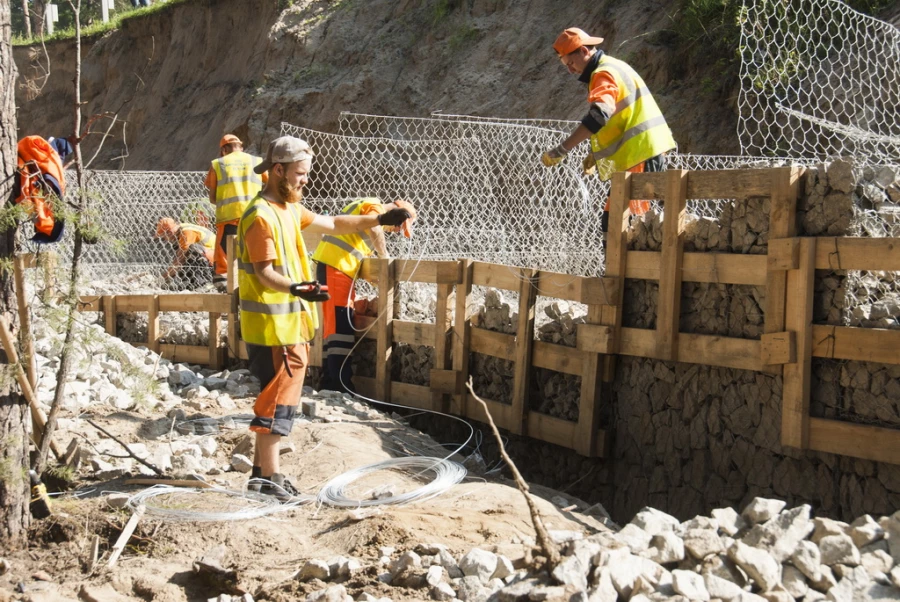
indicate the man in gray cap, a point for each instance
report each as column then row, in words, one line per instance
column 277, row 289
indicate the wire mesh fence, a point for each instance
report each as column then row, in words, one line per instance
column 818, row 79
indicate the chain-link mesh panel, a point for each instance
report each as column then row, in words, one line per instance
column 818, row 79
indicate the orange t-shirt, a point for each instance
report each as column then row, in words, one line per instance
column 604, row 90
column 259, row 240
column 188, row 237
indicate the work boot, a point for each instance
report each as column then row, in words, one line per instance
column 279, row 487
column 255, row 481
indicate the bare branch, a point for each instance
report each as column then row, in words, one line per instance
column 130, row 453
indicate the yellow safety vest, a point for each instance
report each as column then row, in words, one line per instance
column 345, row 252
column 207, row 238
column 269, row 317
column 636, row 131
column 236, row 184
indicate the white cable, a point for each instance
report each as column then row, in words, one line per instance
column 255, row 506
column 446, row 475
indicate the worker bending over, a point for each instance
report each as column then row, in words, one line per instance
column 276, row 293
column 339, row 258
column 232, row 183
column 625, row 126
column 192, row 266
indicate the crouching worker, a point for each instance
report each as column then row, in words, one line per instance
column 276, row 293
column 339, row 258
column 192, row 266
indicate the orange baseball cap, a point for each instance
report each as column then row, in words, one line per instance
column 406, row 227
column 572, row 39
column 166, row 225
column 229, row 139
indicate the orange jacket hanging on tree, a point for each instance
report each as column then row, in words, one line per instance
column 40, row 175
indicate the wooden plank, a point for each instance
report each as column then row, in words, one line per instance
column 778, row 348
column 669, row 299
column 855, row 440
column 558, row 358
column 600, row 291
column 596, row 338
column 784, row 187
column 712, row 350
column 368, row 271
column 131, row 303
column 384, row 343
column 784, row 254
column 500, row 412
column 443, row 322
column 219, row 303
column 523, row 350
column 442, row 381
column 718, row 268
column 798, row 374
column 109, row 311
column 616, row 254
column 187, row 354
column 462, row 333
column 233, row 340
column 877, row 345
column 153, row 323
column 553, row 430
column 844, row 253
column 413, row 333
column 495, row 344
column 496, row 276
column 589, row 397
column 414, row 270
column 415, row 396
column 215, row 326
column 717, row 184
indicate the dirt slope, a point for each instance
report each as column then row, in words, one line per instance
column 184, row 76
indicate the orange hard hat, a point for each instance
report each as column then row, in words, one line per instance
column 406, row 227
column 572, row 39
column 230, row 139
column 166, row 225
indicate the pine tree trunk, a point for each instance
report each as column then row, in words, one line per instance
column 14, row 491
column 27, row 17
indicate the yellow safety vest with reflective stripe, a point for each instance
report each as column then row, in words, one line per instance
column 207, row 238
column 345, row 252
column 269, row 317
column 636, row 131
column 236, row 184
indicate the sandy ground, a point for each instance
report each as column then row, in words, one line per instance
column 267, row 552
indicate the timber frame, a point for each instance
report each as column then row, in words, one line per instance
column 789, row 342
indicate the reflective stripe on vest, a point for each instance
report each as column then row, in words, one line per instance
column 345, row 252
column 269, row 317
column 637, row 131
column 236, row 184
column 207, row 238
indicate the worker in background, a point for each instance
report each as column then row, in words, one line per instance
column 64, row 148
column 276, row 292
column 625, row 126
column 192, row 266
column 338, row 260
column 232, row 183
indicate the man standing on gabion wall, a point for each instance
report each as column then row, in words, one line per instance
column 339, row 258
column 276, row 290
column 232, row 183
column 625, row 126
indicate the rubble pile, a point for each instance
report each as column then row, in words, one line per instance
column 765, row 553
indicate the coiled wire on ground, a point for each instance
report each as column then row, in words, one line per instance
column 179, row 502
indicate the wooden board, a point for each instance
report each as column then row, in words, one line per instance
column 462, row 332
column 718, row 268
column 586, row 431
column 153, row 323
column 798, row 374
column 413, row 333
column 496, row 276
column 413, row 270
column 784, row 187
column 187, row 354
column 616, row 254
column 109, row 310
column 202, row 302
column 855, row 440
column 558, row 358
column 414, row 396
column 712, row 350
column 843, row 253
column 443, row 362
column 778, row 348
column 523, row 350
column 384, row 343
column 669, row 299
column 784, row 254
column 863, row 344
column 495, row 344
column 500, row 412
column 717, row 184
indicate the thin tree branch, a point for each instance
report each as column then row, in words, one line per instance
column 119, row 441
